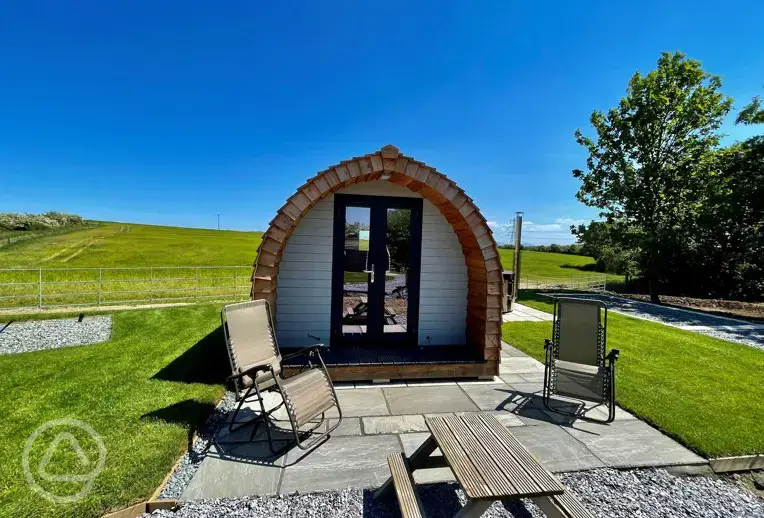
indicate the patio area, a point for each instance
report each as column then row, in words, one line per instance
column 382, row 419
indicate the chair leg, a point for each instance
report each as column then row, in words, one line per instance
column 233, row 422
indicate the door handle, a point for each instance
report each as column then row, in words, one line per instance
column 371, row 272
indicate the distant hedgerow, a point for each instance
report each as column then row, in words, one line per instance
column 51, row 219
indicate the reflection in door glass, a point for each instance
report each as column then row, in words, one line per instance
column 397, row 269
column 356, row 268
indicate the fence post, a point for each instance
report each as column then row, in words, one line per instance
column 151, row 284
column 39, row 291
column 100, row 284
column 571, row 281
column 196, row 290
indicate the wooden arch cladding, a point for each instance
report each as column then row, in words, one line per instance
column 480, row 252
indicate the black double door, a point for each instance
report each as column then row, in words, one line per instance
column 376, row 260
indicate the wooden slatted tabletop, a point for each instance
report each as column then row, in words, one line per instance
column 487, row 460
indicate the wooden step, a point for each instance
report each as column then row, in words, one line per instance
column 408, row 498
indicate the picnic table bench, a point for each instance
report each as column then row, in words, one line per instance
column 487, row 461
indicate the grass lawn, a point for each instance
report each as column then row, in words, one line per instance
column 130, row 245
column 142, row 392
column 705, row 392
column 548, row 264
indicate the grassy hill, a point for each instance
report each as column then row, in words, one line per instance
column 548, row 264
column 130, row 245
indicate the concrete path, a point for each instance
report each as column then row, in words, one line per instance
column 383, row 419
column 522, row 313
column 731, row 329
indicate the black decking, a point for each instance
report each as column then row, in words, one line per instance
column 386, row 355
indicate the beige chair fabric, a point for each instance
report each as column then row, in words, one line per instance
column 579, row 381
column 308, row 395
column 251, row 341
column 579, row 331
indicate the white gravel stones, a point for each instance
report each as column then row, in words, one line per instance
column 38, row 335
column 748, row 333
column 190, row 461
column 605, row 492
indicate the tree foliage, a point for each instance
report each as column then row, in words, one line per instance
column 650, row 155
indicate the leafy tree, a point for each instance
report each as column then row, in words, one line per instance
column 602, row 241
column 645, row 164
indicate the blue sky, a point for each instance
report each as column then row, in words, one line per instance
column 173, row 112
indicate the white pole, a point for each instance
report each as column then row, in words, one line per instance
column 39, row 291
column 100, row 284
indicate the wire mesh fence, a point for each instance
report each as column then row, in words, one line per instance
column 587, row 283
column 22, row 288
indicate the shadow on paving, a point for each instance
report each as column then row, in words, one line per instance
column 204, row 362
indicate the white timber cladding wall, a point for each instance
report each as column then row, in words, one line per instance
column 305, row 273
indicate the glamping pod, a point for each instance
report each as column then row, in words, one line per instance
column 391, row 266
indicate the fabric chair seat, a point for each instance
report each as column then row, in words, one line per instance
column 579, row 380
column 308, row 395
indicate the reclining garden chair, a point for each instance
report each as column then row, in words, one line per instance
column 576, row 364
column 256, row 365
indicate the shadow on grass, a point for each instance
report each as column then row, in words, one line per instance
column 191, row 414
column 591, row 267
column 205, row 362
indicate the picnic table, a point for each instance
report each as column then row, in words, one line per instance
column 487, row 461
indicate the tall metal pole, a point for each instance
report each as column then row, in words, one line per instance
column 518, row 241
column 218, row 221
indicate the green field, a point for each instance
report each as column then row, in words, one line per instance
column 548, row 264
column 130, row 245
column 705, row 392
column 98, row 251
column 143, row 392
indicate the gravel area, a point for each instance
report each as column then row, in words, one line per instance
column 190, row 461
column 605, row 492
column 38, row 335
column 740, row 331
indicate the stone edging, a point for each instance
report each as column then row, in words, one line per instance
column 739, row 463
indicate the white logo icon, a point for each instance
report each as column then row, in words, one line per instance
column 64, row 439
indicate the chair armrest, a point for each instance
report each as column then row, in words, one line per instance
column 309, row 350
column 613, row 355
column 547, row 343
column 251, row 370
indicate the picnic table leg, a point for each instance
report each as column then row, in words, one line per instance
column 474, row 508
column 550, row 508
column 414, row 461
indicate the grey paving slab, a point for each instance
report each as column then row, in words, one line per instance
column 631, row 443
column 426, row 399
column 512, row 378
column 393, row 424
column 528, row 388
column 362, row 402
column 412, row 441
column 520, row 365
column 533, row 377
column 552, row 446
column 235, row 471
column 490, row 397
column 511, row 351
column 339, row 463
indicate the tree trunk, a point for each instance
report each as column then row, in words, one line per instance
column 652, row 279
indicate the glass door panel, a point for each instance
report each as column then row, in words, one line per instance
column 356, row 272
column 397, row 265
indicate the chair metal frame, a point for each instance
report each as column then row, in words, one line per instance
column 265, row 415
column 604, row 361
